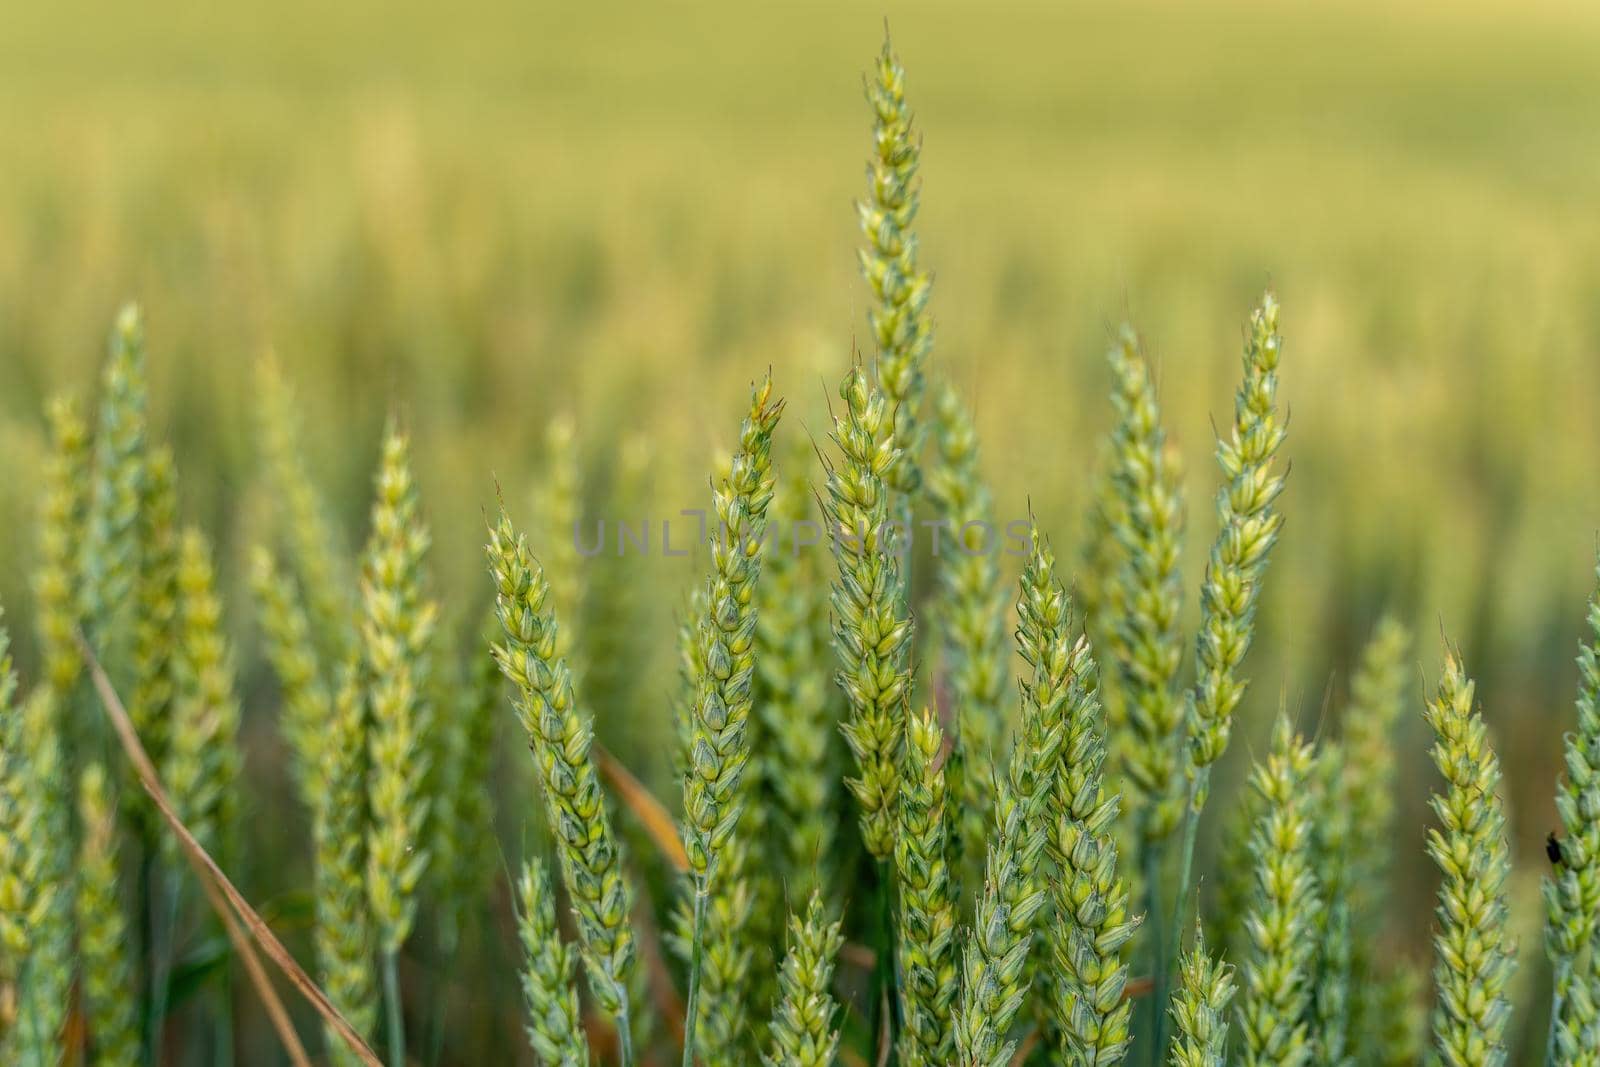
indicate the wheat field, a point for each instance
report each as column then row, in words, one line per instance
column 518, row 548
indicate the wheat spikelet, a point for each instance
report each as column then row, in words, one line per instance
column 24, row 890
column 111, row 543
column 57, row 581
column 971, row 614
column 1200, row 1009
column 1399, row 1019
column 555, row 1029
column 1147, row 519
column 558, row 504
column 396, row 630
column 1572, row 893
column 155, row 649
column 803, row 1034
column 345, row 935
column 871, row 628
column 1331, row 851
column 793, row 699
column 315, row 554
column 1474, row 956
column 1091, row 925
column 995, row 959
column 36, row 898
column 1376, row 702
column 996, row 968
column 1278, row 980
column 560, row 736
column 925, row 939
column 899, row 318
column 719, row 832
column 292, row 650
column 720, row 704
column 1248, row 529
column 463, row 831
column 202, row 766
column 108, row 984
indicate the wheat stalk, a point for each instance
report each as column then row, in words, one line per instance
column 803, row 1033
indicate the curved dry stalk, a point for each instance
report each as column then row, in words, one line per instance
column 222, row 893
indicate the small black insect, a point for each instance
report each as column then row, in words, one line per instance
column 1552, row 848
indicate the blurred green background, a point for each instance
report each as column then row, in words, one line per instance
column 484, row 216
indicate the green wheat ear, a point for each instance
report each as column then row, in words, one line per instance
column 558, row 503
column 1249, row 528
column 1399, row 1021
column 1474, row 955
column 24, row 888
column 1279, row 978
column 925, row 939
column 292, row 650
column 203, row 760
column 899, row 318
column 718, row 826
column 58, row 579
column 111, row 544
column 793, row 698
column 803, row 1034
column 315, row 555
column 1572, row 893
column 997, row 973
column 1331, row 854
column 396, row 632
column 1200, row 1009
column 108, row 983
column 871, row 625
column 720, row 705
column 1091, row 926
column 36, row 884
column 555, row 1029
column 559, row 736
column 1377, row 701
column 970, row 614
column 1146, row 644
column 156, row 627
column 346, row 935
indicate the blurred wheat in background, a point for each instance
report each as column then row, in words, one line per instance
column 1155, row 781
